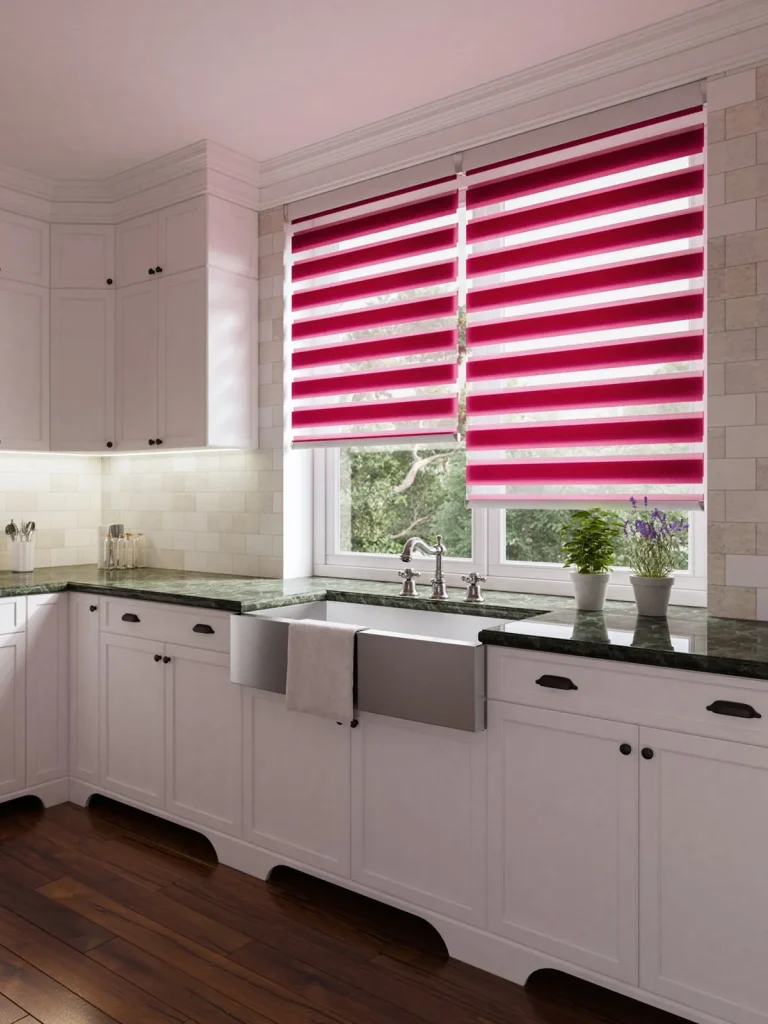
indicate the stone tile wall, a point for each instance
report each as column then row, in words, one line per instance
column 738, row 344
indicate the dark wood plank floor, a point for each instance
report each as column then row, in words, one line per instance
column 111, row 915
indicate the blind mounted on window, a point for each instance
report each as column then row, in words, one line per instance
column 373, row 318
column 585, row 337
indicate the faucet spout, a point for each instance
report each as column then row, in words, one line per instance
column 416, row 544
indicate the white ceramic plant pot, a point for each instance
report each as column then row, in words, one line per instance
column 589, row 589
column 652, row 594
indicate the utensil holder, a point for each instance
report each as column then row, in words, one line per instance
column 22, row 556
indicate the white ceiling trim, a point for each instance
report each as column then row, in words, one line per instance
column 724, row 36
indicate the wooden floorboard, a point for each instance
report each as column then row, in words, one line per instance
column 111, row 916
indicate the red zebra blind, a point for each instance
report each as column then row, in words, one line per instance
column 373, row 315
column 585, row 335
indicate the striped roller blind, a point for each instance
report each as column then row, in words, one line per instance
column 373, row 316
column 585, row 338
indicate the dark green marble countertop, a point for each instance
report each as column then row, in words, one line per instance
column 688, row 638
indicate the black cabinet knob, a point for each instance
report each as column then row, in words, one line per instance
column 158, row 270
column 109, row 444
column 625, row 748
column 94, row 607
column 151, row 441
column 159, row 440
column 158, row 657
column 109, row 280
column 166, row 659
column 150, row 271
column 354, row 723
column 647, row 753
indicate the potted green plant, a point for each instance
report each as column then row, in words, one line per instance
column 655, row 539
column 589, row 545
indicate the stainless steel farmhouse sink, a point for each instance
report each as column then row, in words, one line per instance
column 418, row 665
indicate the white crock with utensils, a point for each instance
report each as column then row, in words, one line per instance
column 22, row 545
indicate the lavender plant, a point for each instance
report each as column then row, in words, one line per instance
column 655, row 539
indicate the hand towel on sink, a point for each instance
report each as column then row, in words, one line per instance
column 321, row 669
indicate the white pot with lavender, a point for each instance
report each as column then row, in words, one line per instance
column 656, row 540
column 589, row 545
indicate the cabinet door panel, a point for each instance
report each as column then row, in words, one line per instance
column 82, row 255
column 233, row 238
column 84, row 687
column 562, row 836
column 418, row 814
column 181, row 241
column 182, row 341
column 136, row 366
column 132, row 730
column 136, row 249
column 82, row 370
column 297, row 784
column 47, row 688
column 703, row 838
column 24, row 355
column 204, row 742
column 12, row 713
column 24, row 249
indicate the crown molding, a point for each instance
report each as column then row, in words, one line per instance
column 722, row 36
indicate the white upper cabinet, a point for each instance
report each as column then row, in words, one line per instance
column 181, row 237
column 82, row 370
column 82, row 256
column 136, row 250
column 233, row 238
column 136, row 367
column 24, row 356
column 182, row 336
column 24, row 249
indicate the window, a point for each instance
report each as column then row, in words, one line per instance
column 583, row 292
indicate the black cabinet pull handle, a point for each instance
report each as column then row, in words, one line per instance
column 556, row 683
column 150, row 271
column 733, row 708
column 625, row 748
column 94, row 607
column 130, row 617
column 158, row 270
column 166, row 659
column 647, row 753
column 109, row 280
column 158, row 657
column 151, row 441
column 202, row 627
column 159, row 440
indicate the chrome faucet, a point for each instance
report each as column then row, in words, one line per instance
column 439, row 593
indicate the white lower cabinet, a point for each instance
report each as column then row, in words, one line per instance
column 132, row 718
column 12, row 712
column 562, row 836
column 418, row 814
column 203, row 714
column 84, row 687
column 47, row 698
column 703, row 849
column 297, row 783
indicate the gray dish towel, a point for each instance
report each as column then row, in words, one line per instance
column 321, row 669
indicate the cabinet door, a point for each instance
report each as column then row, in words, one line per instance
column 182, row 342
column 132, row 712
column 136, row 250
column 562, row 836
column 47, row 688
column 204, row 770
column 418, row 814
column 82, row 255
column 136, row 366
column 84, row 687
column 703, row 841
column 296, row 783
column 82, row 370
column 24, row 249
column 233, row 238
column 24, row 356
column 12, row 713
column 181, row 237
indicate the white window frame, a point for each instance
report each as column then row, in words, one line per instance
column 488, row 541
